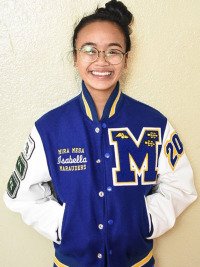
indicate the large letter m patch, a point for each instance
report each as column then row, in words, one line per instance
column 135, row 158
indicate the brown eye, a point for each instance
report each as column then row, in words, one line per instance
column 113, row 52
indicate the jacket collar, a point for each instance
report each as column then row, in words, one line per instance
column 110, row 108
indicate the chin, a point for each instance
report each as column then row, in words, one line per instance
column 101, row 86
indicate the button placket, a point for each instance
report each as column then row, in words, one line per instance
column 107, row 156
column 98, row 131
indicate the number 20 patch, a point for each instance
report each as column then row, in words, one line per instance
column 173, row 150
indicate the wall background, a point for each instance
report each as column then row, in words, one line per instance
column 37, row 74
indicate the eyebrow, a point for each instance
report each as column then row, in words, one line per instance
column 94, row 44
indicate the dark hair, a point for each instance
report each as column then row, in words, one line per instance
column 114, row 11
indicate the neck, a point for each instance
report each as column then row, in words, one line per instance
column 100, row 98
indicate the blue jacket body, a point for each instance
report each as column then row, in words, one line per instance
column 105, row 220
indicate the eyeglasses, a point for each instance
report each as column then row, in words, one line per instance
column 91, row 54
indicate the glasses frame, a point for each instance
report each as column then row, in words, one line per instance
column 98, row 54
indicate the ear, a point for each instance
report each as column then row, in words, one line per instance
column 126, row 61
column 75, row 59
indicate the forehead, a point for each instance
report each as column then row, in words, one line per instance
column 101, row 33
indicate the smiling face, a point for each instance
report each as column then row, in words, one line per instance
column 100, row 75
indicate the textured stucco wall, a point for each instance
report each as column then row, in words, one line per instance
column 37, row 74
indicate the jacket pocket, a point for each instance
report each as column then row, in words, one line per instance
column 147, row 222
column 63, row 220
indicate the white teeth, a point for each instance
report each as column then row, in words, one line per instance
column 101, row 73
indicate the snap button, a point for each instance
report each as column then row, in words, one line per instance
column 97, row 130
column 107, row 155
column 109, row 188
column 104, row 125
column 110, row 222
column 100, row 226
column 101, row 193
column 98, row 161
column 99, row 255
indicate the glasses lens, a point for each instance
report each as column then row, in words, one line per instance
column 114, row 56
column 89, row 53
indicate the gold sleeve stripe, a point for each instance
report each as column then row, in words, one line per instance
column 112, row 111
column 87, row 108
column 145, row 260
column 58, row 263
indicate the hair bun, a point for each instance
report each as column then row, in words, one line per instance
column 114, row 12
column 118, row 10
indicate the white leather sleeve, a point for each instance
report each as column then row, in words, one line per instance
column 29, row 193
column 174, row 190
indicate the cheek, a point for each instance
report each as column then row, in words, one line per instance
column 82, row 69
column 120, row 70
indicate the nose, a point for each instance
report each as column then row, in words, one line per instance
column 101, row 58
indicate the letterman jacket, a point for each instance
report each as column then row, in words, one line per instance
column 119, row 182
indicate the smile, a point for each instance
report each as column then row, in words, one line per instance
column 101, row 73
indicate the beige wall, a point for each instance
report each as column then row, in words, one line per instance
column 37, row 75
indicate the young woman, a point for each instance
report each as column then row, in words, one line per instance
column 118, row 168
